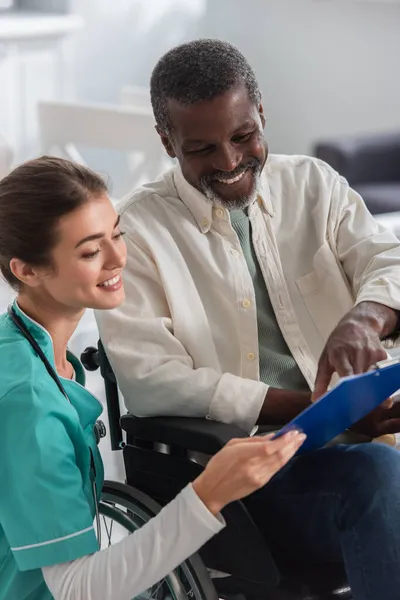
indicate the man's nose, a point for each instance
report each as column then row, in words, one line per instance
column 227, row 158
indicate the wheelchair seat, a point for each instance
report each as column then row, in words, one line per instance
column 158, row 461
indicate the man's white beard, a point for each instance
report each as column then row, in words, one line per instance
column 240, row 203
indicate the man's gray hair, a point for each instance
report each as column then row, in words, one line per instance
column 198, row 70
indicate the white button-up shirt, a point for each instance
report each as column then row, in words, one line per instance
column 185, row 341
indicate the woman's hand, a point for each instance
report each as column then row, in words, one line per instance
column 243, row 466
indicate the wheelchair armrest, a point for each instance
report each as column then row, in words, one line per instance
column 363, row 159
column 196, row 434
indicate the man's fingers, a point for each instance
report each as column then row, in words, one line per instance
column 361, row 362
column 323, row 379
column 366, row 358
column 339, row 363
column 394, row 411
column 389, row 426
column 387, row 404
column 343, row 366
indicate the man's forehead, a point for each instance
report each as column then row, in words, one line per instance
column 231, row 110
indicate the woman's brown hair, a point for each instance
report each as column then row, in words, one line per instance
column 33, row 198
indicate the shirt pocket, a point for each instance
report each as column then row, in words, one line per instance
column 325, row 291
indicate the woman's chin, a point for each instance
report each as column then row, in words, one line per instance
column 108, row 300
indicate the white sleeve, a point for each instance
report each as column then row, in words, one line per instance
column 155, row 373
column 131, row 566
column 368, row 253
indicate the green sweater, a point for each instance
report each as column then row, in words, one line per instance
column 277, row 366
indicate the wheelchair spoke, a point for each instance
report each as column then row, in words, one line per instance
column 130, row 515
column 154, row 593
column 108, row 530
column 166, row 593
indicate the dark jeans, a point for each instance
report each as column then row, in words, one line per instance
column 338, row 504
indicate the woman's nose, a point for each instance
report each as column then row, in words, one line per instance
column 117, row 256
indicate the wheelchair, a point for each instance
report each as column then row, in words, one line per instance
column 158, row 456
column 124, row 509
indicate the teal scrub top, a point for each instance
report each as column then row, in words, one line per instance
column 47, row 506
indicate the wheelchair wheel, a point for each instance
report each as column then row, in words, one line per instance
column 124, row 509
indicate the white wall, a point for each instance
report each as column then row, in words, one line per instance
column 123, row 39
column 120, row 44
column 326, row 67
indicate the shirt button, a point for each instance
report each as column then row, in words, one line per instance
column 246, row 303
column 251, row 356
column 233, row 252
column 204, row 223
column 220, row 213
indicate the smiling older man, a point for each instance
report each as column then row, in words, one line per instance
column 251, row 280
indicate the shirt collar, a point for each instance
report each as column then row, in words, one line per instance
column 43, row 338
column 264, row 198
column 194, row 200
column 202, row 209
column 41, row 335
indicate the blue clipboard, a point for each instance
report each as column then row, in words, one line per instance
column 345, row 404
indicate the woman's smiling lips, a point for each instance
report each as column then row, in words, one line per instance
column 111, row 285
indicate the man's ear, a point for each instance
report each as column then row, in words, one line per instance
column 25, row 273
column 262, row 115
column 166, row 142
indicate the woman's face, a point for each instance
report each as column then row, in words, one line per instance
column 88, row 259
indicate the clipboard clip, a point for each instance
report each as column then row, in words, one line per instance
column 388, row 362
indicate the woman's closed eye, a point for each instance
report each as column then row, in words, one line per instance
column 88, row 255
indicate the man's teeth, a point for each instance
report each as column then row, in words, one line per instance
column 112, row 281
column 233, row 180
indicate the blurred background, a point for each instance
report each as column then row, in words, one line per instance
column 327, row 68
column 74, row 78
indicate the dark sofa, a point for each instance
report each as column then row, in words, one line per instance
column 371, row 165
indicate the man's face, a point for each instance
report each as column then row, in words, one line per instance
column 220, row 146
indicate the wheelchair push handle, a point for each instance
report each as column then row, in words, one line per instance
column 90, row 359
column 93, row 358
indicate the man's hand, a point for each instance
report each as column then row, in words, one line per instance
column 380, row 421
column 355, row 345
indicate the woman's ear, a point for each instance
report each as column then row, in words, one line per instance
column 24, row 272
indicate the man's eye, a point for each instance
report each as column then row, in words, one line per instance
column 243, row 138
column 204, row 150
column 118, row 235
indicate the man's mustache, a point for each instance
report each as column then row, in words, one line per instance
column 224, row 175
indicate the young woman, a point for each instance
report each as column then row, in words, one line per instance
column 62, row 250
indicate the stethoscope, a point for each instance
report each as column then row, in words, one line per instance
column 99, row 428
